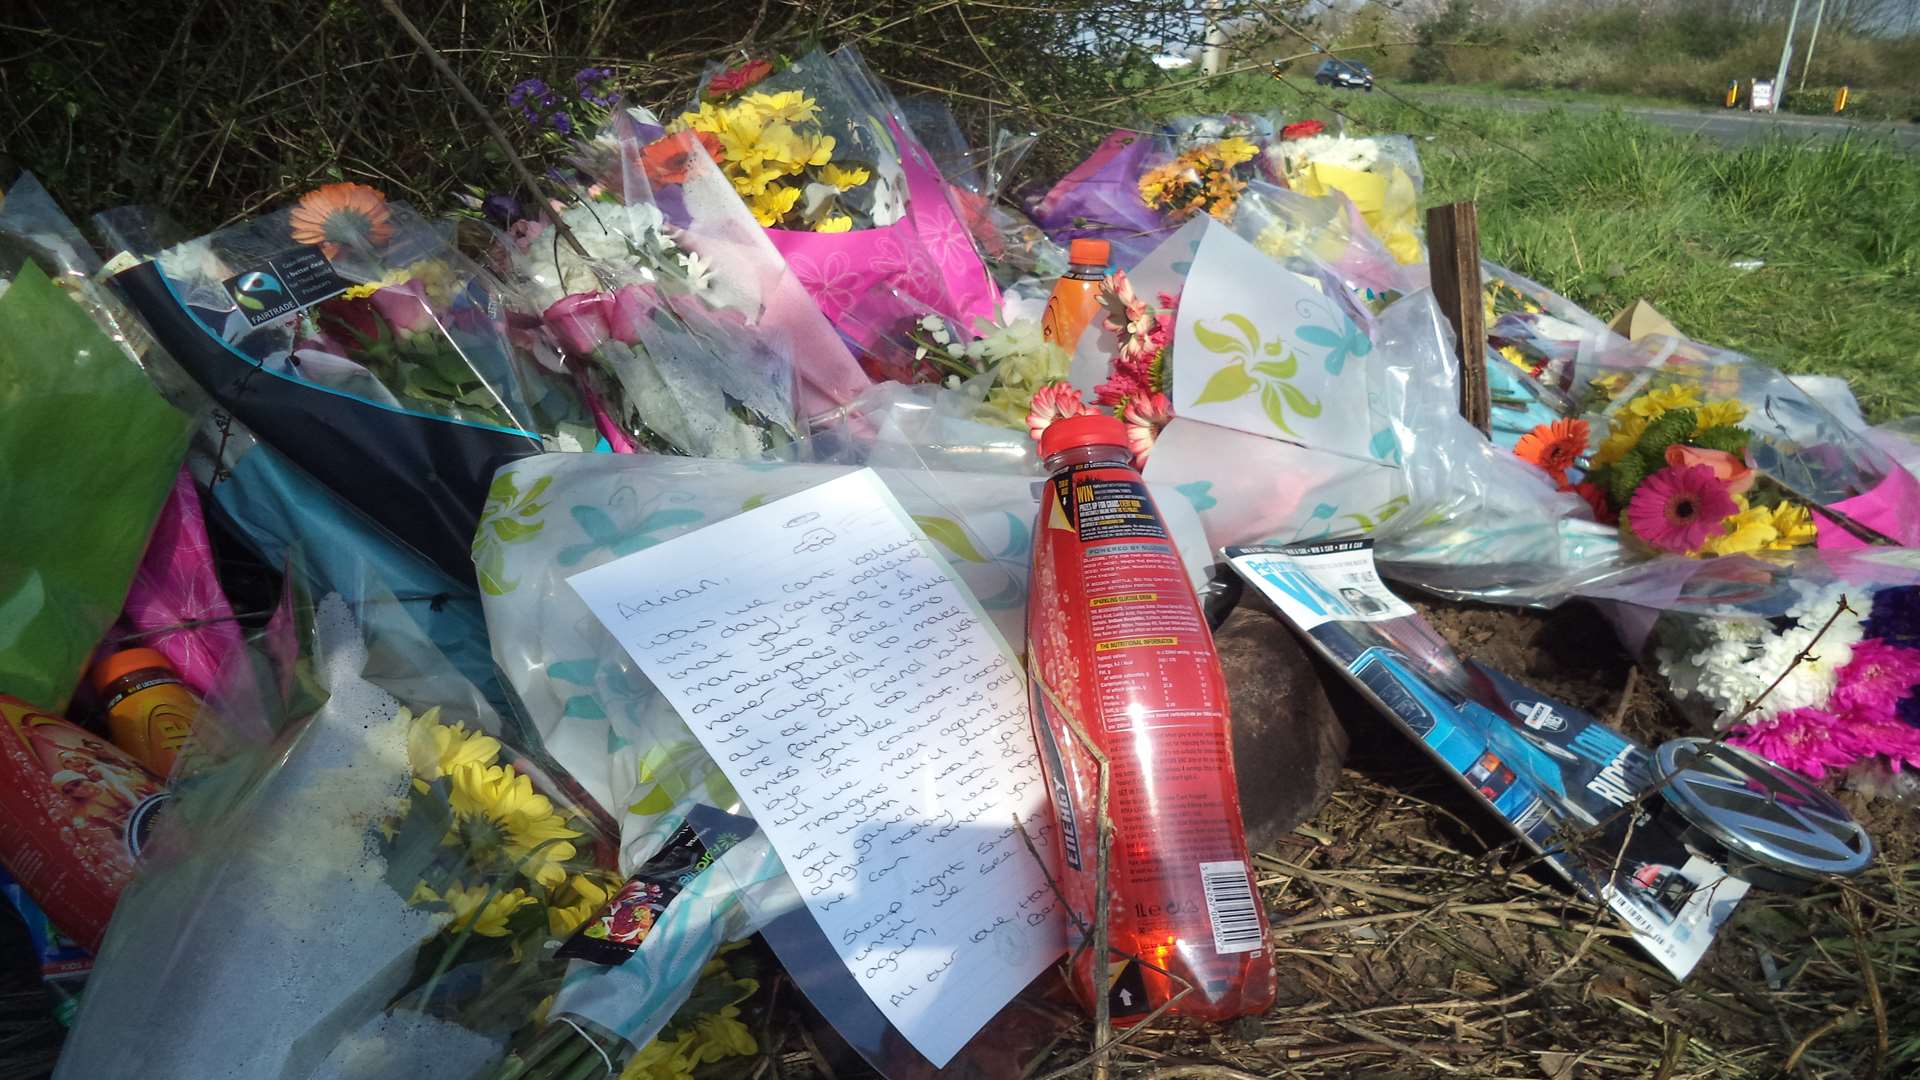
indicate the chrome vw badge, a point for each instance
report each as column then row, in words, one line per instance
column 1761, row 813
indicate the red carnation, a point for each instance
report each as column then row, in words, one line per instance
column 1302, row 130
column 734, row 80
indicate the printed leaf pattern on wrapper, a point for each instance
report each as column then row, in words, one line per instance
column 1273, row 367
column 511, row 516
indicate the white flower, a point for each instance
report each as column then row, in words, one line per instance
column 194, row 261
column 1730, row 662
column 699, row 270
column 1297, row 154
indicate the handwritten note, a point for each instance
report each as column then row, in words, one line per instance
column 875, row 725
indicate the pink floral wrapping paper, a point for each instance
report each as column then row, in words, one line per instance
column 176, row 604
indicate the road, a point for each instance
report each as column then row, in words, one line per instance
column 1732, row 126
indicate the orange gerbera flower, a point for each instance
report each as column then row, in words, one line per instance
column 336, row 215
column 669, row 159
column 1554, row 447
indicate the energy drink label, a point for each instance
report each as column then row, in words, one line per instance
column 616, row 932
column 1118, row 648
column 1551, row 771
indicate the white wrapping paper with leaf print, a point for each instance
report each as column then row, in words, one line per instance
column 555, row 515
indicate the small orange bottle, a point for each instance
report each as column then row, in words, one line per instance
column 149, row 711
column 1076, row 296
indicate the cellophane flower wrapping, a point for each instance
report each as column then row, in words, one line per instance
column 606, row 724
column 175, row 603
column 1380, row 173
column 824, row 160
column 662, row 210
column 1141, row 184
column 383, row 363
column 1778, row 474
column 92, row 450
column 372, row 893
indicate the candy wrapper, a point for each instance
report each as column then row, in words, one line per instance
column 372, row 891
column 348, row 333
column 823, row 159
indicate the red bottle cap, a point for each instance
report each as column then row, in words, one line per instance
column 1094, row 429
column 1085, row 252
column 126, row 662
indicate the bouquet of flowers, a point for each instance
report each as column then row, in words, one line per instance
column 348, row 333
column 821, row 155
column 1826, row 682
column 1380, row 174
column 1137, row 187
column 1138, row 379
column 373, row 891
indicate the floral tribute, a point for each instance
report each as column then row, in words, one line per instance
column 778, row 155
column 1672, row 472
column 1828, row 686
column 1203, row 179
column 1138, row 377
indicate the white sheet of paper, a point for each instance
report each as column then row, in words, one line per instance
column 1261, row 349
column 876, row 726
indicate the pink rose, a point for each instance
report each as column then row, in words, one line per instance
column 579, row 322
column 627, row 310
column 404, row 307
column 1727, row 468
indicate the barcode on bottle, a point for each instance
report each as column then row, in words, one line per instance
column 1230, row 907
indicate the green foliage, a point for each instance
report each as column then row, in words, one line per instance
column 1649, row 455
column 1729, row 440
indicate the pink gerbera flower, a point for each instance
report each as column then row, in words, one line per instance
column 1145, row 416
column 1054, row 401
column 1677, row 509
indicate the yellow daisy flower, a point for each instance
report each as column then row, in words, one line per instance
column 1625, row 433
column 435, row 749
column 497, row 814
column 793, row 106
column 588, row 896
column 834, row 223
column 1655, row 403
column 1748, row 531
column 719, row 1036
column 1719, row 414
column 471, row 906
column 844, row 179
column 772, row 204
column 1794, row 525
column 659, row 1061
column 1234, row 151
column 1514, row 356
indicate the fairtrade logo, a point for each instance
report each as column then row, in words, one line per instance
column 258, row 290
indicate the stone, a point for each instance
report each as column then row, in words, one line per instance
column 1288, row 743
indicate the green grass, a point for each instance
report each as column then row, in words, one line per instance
column 1605, row 210
column 1595, row 97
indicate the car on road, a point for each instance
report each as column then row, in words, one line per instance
column 1344, row 75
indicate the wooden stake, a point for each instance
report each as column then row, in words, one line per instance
column 1453, row 245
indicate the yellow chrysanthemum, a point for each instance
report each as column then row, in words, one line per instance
column 1624, row 434
column 1794, row 526
column 834, row 223
column 1655, row 403
column 1611, row 384
column 1747, row 531
column 792, row 106
column 659, row 1060
column 1719, row 414
column 709, row 117
column 717, row 1037
column 772, row 204
column 1514, row 356
column 435, row 749
column 751, row 182
column 844, row 179
column 1234, row 151
column 481, row 907
column 497, row 813
column 586, row 897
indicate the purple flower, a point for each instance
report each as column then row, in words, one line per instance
column 1896, row 615
column 562, row 123
column 590, row 82
column 501, row 209
column 526, row 89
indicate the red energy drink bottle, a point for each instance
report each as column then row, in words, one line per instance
column 1116, row 635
